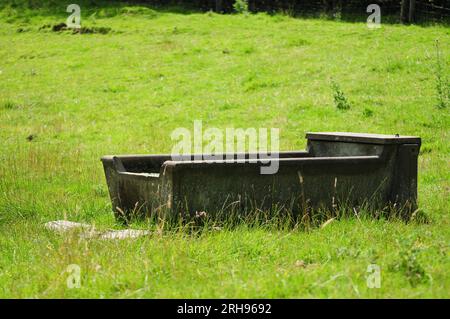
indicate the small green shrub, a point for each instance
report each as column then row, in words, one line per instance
column 340, row 101
column 241, row 6
column 442, row 83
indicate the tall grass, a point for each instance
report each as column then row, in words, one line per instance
column 442, row 81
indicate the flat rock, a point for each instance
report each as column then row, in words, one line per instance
column 88, row 231
column 65, row 226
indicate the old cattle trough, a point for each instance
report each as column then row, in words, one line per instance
column 336, row 169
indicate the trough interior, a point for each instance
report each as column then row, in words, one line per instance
column 151, row 164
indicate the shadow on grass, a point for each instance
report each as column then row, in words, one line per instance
column 22, row 11
column 105, row 9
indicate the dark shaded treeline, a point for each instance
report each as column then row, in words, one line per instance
column 421, row 9
column 402, row 10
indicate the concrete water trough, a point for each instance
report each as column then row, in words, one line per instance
column 336, row 169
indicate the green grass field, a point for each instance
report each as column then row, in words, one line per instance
column 67, row 99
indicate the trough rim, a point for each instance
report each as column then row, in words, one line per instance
column 366, row 138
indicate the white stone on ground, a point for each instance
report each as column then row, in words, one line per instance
column 65, row 226
column 88, row 231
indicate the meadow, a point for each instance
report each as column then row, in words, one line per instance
column 67, row 99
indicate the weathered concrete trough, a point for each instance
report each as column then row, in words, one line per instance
column 336, row 169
